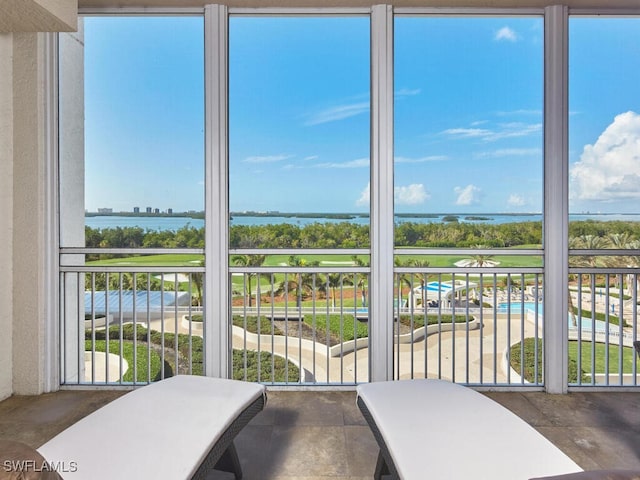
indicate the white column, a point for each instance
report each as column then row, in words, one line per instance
column 72, row 168
column 33, row 291
column 217, row 339
column 381, row 282
column 556, row 203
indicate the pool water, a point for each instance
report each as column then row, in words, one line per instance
column 585, row 323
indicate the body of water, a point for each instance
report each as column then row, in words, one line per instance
column 176, row 223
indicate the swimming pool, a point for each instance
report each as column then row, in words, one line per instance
column 438, row 287
column 585, row 323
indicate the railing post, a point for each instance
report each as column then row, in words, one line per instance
column 381, row 280
column 556, row 199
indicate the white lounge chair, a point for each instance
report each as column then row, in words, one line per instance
column 441, row 430
column 178, row 428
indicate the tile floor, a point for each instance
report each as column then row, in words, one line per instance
column 309, row 435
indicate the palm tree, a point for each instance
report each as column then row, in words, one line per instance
column 301, row 283
column 423, row 277
column 619, row 241
column 198, row 280
column 334, row 282
column 249, row 261
column 362, row 279
column 585, row 242
column 480, row 259
column 403, row 280
column 635, row 262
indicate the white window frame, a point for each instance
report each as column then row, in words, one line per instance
column 217, row 336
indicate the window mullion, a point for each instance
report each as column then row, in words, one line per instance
column 381, row 282
column 556, row 208
column 216, row 327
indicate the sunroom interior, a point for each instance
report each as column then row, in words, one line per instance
column 403, row 309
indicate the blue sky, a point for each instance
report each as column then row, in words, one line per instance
column 468, row 114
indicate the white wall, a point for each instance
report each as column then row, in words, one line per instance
column 6, row 214
column 28, row 218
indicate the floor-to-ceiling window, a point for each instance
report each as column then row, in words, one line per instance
column 131, row 94
column 352, row 170
column 299, row 169
column 604, row 190
column 468, row 196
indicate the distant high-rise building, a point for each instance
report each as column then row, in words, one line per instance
column 136, row 209
column 157, row 210
column 148, row 209
column 170, row 211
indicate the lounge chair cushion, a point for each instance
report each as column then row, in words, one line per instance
column 438, row 429
column 596, row 475
column 162, row 431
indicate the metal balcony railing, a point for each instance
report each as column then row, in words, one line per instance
column 300, row 325
column 603, row 324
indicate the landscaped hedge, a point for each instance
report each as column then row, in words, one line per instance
column 185, row 345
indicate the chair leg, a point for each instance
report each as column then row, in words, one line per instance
column 229, row 462
column 381, row 467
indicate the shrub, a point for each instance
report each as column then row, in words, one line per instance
column 272, row 367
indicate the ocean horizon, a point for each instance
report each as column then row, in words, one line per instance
column 173, row 223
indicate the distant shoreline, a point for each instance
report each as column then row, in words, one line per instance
column 340, row 216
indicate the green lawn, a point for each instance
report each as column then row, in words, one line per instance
column 328, row 260
column 628, row 357
column 239, row 282
column 164, row 260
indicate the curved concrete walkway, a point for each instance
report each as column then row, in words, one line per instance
column 462, row 356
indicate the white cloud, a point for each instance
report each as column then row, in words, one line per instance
column 509, row 152
column 431, row 158
column 503, row 130
column 407, row 92
column 311, row 157
column 413, row 194
column 516, row 200
column 467, row 132
column 267, row 158
column 506, row 33
column 359, row 163
column 469, row 195
column 364, row 196
column 610, row 169
column 338, row 113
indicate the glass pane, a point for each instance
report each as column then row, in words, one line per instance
column 468, row 132
column 604, row 136
column 299, row 132
column 132, row 119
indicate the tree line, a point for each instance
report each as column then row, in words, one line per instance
column 352, row 235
